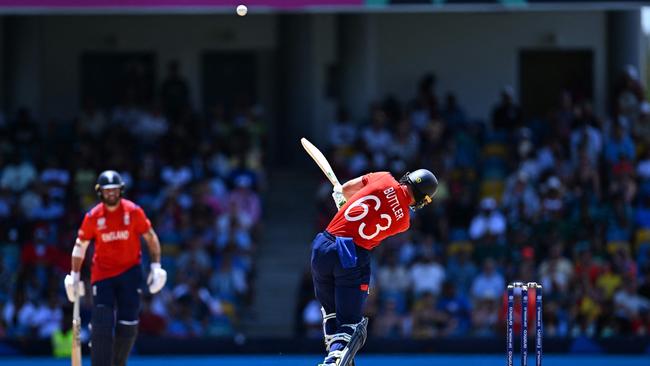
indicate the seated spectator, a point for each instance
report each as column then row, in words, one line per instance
column 228, row 281
column 427, row 320
column 151, row 125
column 553, row 204
column 507, row 114
column 629, row 93
column 644, row 288
column 643, row 171
column 641, row 129
column 246, row 202
column 609, row 281
column 19, row 315
column 18, row 174
column 390, row 322
column 425, row 106
column 529, row 162
column 127, row 112
column 183, row 324
column 168, row 220
column 48, row 316
column 231, row 217
column 586, row 269
column 194, row 262
column 452, row 113
column 313, row 320
column 456, row 307
column 489, row 282
column 406, row 143
column 38, row 252
column 49, row 209
column 489, row 222
column 619, row 146
column 587, row 180
column 588, row 139
column 7, row 202
column 55, row 177
column 620, row 220
column 177, row 174
column 427, row 275
column 393, row 278
column 485, row 316
column 24, row 131
column 91, row 120
column 376, row 136
column 342, row 132
column 520, row 199
column 628, row 304
column 461, row 271
column 556, row 272
column 151, row 323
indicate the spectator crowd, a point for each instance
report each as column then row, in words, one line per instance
column 197, row 176
column 561, row 199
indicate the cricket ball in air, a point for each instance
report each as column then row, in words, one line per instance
column 242, row 10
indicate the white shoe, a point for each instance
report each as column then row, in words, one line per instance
column 333, row 358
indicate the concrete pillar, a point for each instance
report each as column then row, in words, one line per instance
column 623, row 43
column 324, row 54
column 3, row 55
column 358, row 53
column 308, row 47
column 23, row 65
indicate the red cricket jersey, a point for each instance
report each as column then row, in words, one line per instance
column 380, row 209
column 117, row 238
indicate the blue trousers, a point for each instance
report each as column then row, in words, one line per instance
column 111, row 341
column 341, row 275
column 122, row 292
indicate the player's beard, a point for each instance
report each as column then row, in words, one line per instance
column 112, row 201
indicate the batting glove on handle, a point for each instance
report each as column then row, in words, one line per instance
column 74, row 288
column 157, row 278
column 338, row 197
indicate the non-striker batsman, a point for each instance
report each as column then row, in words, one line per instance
column 115, row 225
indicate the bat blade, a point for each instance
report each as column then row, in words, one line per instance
column 76, row 335
column 320, row 160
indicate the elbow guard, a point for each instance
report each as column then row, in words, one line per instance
column 80, row 247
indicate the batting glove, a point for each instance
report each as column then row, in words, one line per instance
column 73, row 287
column 337, row 194
column 157, row 278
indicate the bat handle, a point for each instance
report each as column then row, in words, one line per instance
column 339, row 199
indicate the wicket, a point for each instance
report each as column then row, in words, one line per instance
column 524, row 322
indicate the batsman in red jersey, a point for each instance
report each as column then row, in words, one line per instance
column 116, row 226
column 376, row 207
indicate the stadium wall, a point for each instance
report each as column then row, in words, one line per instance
column 60, row 41
column 473, row 55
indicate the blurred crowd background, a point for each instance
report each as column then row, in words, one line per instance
column 562, row 200
column 197, row 176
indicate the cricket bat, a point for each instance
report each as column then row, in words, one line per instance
column 76, row 333
column 320, row 160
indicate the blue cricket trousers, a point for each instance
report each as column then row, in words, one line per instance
column 341, row 275
column 122, row 292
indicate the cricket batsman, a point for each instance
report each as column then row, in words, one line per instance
column 372, row 208
column 115, row 225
